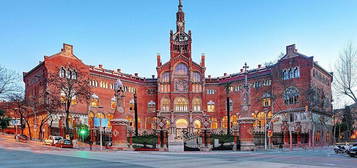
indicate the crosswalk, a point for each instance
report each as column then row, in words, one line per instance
column 19, row 155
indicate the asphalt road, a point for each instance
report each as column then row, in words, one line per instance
column 18, row 155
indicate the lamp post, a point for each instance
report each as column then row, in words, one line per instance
column 136, row 114
column 265, row 131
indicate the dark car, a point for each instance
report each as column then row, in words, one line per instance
column 339, row 149
column 352, row 151
column 21, row 138
column 65, row 143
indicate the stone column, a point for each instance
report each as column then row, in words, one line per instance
column 235, row 135
column 119, row 132
column 246, row 133
column 246, row 120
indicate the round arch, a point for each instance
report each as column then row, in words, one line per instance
column 181, row 68
column 181, row 123
column 197, row 124
column 181, row 104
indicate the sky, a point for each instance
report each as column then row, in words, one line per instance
column 128, row 34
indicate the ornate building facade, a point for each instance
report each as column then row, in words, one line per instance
column 293, row 92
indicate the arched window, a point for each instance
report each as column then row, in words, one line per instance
column 291, row 74
column 165, row 104
column 94, row 100
column 165, row 77
column 131, row 104
column 224, row 122
column 197, row 124
column 291, row 95
column 151, row 106
column 68, row 74
column 285, row 75
column 196, row 77
column 210, row 106
column 74, row 75
column 260, row 120
column 196, row 104
column 296, row 72
column 196, row 88
column 214, row 123
column 181, row 104
column 181, row 69
column 62, row 72
column 149, row 123
column 234, row 120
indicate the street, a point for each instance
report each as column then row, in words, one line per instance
column 20, row 155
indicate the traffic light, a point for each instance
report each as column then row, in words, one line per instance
column 83, row 132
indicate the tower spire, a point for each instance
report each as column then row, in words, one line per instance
column 180, row 18
column 180, row 5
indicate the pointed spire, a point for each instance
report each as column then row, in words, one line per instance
column 180, row 18
column 180, row 5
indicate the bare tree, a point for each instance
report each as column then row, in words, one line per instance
column 346, row 73
column 71, row 84
column 18, row 103
column 51, row 104
column 9, row 82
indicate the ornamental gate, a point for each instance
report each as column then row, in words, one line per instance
column 192, row 141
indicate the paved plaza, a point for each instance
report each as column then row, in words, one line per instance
column 20, row 155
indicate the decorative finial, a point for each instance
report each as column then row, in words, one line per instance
column 180, row 5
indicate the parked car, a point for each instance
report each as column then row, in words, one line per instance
column 55, row 139
column 352, row 151
column 339, row 149
column 21, row 138
column 65, row 143
column 48, row 142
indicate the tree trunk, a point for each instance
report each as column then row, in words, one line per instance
column 67, row 116
column 22, row 123
column 29, row 128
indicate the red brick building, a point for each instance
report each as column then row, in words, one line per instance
column 182, row 93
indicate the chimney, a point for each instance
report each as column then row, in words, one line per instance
column 291, row 50
column 203, row 58
column 100, row 66
column 119, row 70
column 158, row 57
column 241, row 70
column 136, row 74
column 209, row 76
column 153, row 76
column 225, row 74
column 67, row 49
column 259, row 66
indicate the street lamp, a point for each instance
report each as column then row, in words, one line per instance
column 136, row 114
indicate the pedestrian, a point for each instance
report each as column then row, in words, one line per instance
column 90, row 144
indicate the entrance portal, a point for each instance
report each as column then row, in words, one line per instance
column 181, row 127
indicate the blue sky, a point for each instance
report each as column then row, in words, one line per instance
column 128, row 34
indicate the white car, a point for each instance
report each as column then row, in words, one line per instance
column 54, row 140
